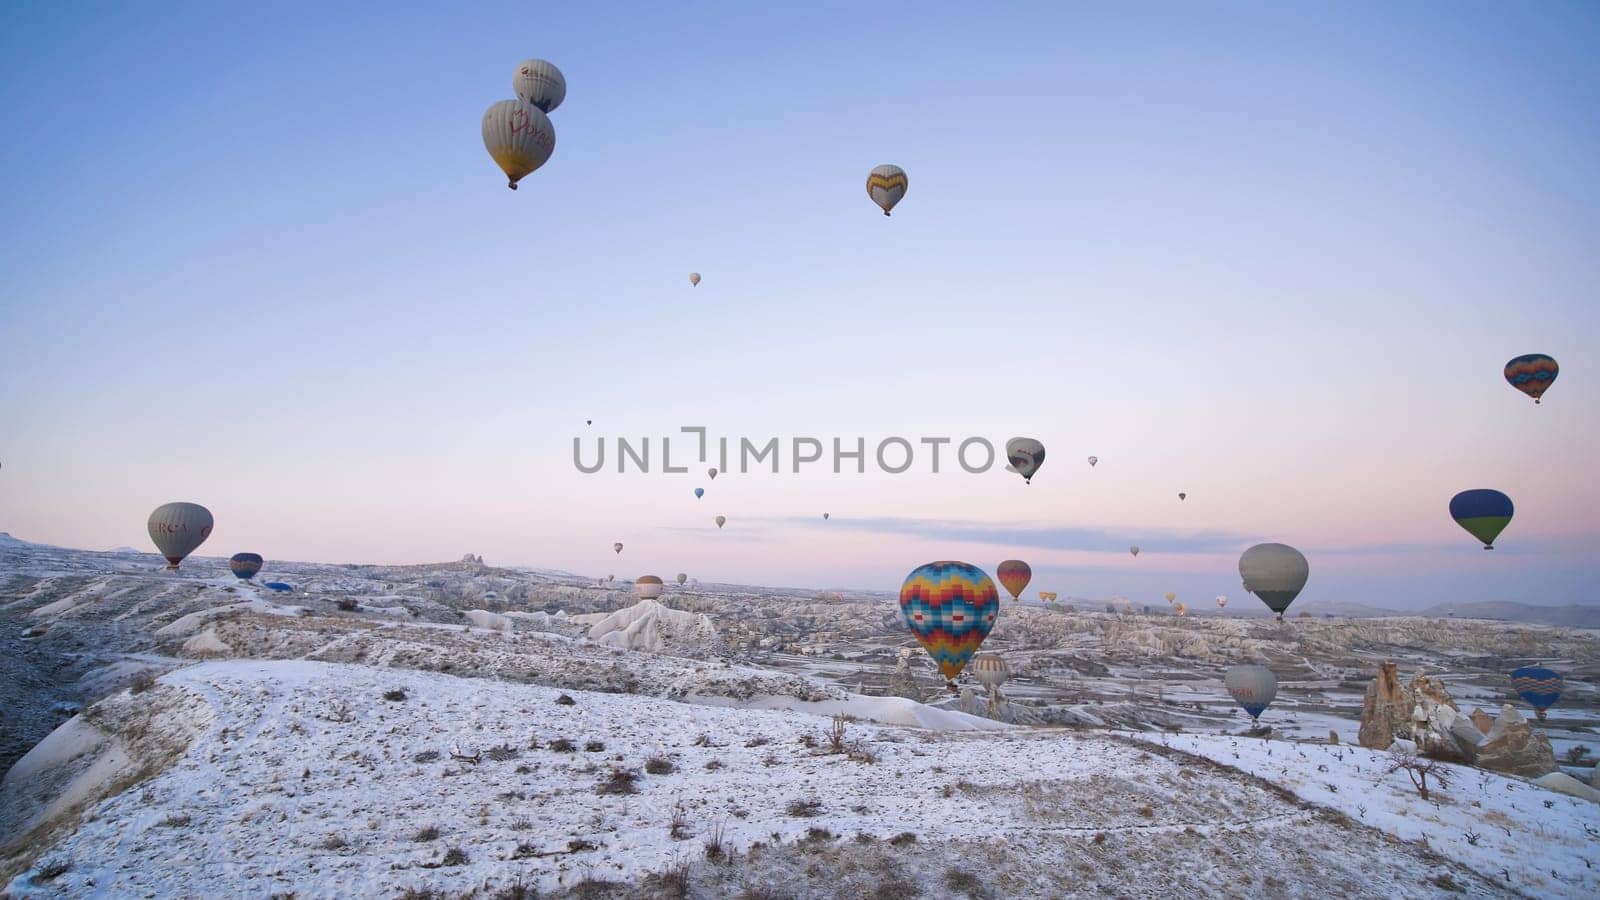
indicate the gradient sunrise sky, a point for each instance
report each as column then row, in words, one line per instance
column 1273, row 255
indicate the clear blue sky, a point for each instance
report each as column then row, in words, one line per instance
column 1274, row 255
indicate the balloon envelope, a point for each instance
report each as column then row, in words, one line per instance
column 1532, row 374
column 648, row 587
column 721, row 521
column 539, row 83
column 278, row 586
column 1252, row 687
column 1134, row 550
column 1538, row 686
column 1182, row 495
column 1015, row 575
column 990, row 669
column 712, row 474
column 1221, row 601
column 1274, row 572
column 178, row 528
column 950, row 607
column 245, row 565
column 886, row 185
column 519, row 137
column 1483, row 512
column 694, row 279
column 1171, row 597
column 682, row 577
column 1026, row 455
column 699, row 492
column 1093, row 460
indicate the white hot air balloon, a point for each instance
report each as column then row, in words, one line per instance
column 1274, row 572
column 1134, row 549
column 1222, row 601
column 539, row 83
column 648, row 587
column 519, row 137
column 1093, row 460
column 886, row 185
column 1252, row 687
column 1025, row 455
column 721, row 521
column 711, row 473
column 178, row 528
column 682, row 577
column 990, row 669
column 694, row 279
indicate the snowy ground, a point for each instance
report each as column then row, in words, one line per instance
column 307, row 780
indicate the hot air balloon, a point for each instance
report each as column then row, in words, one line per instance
column 1044, row 595
column 721, row 521
column 699, row 492
column 245, row 565
column 711, row 473
column 1181, row 609
column 886, row 185
column 694, row 279
column 1015, row 575
column 1221, row 601
column 588, row 421
column 1134, row 549
column 617, row 546
column 950, row 607
column 1484, row 513
column 279, row 586
column 178, row 528
column 990, row 669
column 1532, row 374
column 1540, row 687
column 682, row 577
column 539, row 83
column 824, row 517
column 1182, row 496
column 1171, row 597
column 1026, row 455
column 1274, row 572
column 1093, row 460
column 648, row 587
column 519, row 137
column 1252, row 687
column 611, row 578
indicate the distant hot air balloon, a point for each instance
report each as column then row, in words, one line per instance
column 1044, row 595
column 682, row 577
column 950, row 607
column 588, row 421
column 711, row 473
column 1221, row 601
column 1540, row 687
column 1026, row 455
column 1093, row 460
column 1484, row 513
column 519, row 137
column 1171, row 597
column 648, row 587
column 245, row 565
column 1134, row 549
column 1015, row 575
column 540, row 84
column 1182, row 495
column 886, row 185
column 611, row 578
column 699, row 492
column 178, row 528
column 824, row 517
column 617, row 546
column 990, row 669
column 1181, row 609
column 721, row 521
column 1274, row 572
column 694, row 279
column 1532, row 374
column 1252, row 687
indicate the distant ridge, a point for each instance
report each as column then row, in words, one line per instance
column 1570, row 615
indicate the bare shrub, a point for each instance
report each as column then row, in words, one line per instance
column 347, row 604
column 619, row 781
column 659, row 765
column 503, row 753
column 142, row 681
column 835, row 735
column 903, row 839
column 516, row 890
column 1575, row 753
column 335, row 842
column 594, row 746
column 1419, row 769
column 961, row 881
column 713, row 765
column 818, row 835
column 51, row 869
column 564, row 700
column 896, row 888
column 804, row 809
column 678, row 825
column 455, row 856
column 562, row 745
column 758, row 741
column 428, row 833
column 671, row 883
column 716, row 844
column 176, row 820
column 395, row 695
column 426, row 756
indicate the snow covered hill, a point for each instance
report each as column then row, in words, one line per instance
column 654, row 628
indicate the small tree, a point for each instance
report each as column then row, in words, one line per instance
column 1419, row 769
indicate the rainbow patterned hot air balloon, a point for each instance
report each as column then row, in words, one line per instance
column 1532, row 374
column 950, row 607
column 1540, row 687
column 1015, row 575
column 1483, row 512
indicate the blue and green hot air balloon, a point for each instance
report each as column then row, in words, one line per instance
column 1540, row 687
column 1484, row 513
column 245, row 565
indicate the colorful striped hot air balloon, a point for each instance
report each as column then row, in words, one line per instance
column 950, row 607
column 1540, row 687
column 1483, row 512
column 990, row 669
column 1532, row 374
column 1015, row 575
column 886, row 185
column 245, row 565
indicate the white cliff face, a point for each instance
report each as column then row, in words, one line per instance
column 651, row 627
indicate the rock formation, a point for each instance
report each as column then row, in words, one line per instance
column 1563, row 783
column 1483, row 720
column 1386, row 710
column 1421, row 712
column 1515, row 748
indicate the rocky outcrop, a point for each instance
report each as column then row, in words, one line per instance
column 1386, row 710
column 1515, row 748
column 1562, row 783
column 1421, row 712
column 1483, row 720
